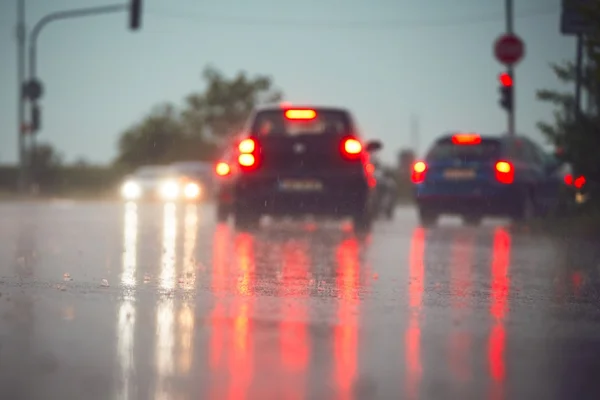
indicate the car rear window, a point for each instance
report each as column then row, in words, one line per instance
column 445, row 150
column 325, row 122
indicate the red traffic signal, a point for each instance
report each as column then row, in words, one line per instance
column 505, row 79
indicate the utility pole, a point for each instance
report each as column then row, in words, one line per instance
column 21, row 129
column 511, row 69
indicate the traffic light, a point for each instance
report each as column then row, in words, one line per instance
column 506, row 91
column 135, row 14
column 36, row 118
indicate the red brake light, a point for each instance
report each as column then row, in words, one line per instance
column 246, row 160
column 505, row 173
column 222, row 169
column 568, row 179
column 418, row 172
column 579, row 182
column 301, row 114
column 466, row 138
column 248, row 154
column 247, row 146
column 352, row 146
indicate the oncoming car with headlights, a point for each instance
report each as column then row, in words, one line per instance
column 196, row 178
column 161, row 183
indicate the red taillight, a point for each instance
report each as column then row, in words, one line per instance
column 568, row 179
column 302, row 114
column 466, row 139
column 248, row 154
column 351, row 148
column 222, row 168
column 418, row 172
column 579, row 182
column 247, row 146
column 246, row 160
column 505, row 173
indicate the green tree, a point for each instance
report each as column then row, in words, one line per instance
column 46, row 163
column 225, row 105
column 578, row 136
column 197, row 131
column 153, row 140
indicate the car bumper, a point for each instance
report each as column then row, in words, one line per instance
column 335, row 198
column 493, row 200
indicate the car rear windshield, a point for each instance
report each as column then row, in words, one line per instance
column 325, row 122
column 445, row 150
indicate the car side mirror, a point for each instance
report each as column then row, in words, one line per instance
column 373, row 146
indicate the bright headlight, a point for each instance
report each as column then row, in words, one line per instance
column 191, row 190
column 169, row 190
column 130, row 190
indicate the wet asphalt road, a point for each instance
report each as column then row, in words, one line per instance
column 194, row 310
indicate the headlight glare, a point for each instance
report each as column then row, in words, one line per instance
column 130, row 190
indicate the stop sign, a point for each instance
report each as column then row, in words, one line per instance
column 509, row 49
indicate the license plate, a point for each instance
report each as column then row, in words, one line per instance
column 300, row 185
column 459, row 174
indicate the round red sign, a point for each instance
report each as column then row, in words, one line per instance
column 509, row 49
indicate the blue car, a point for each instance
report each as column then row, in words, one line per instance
column 475, row 176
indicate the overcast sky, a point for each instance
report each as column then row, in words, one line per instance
column 383, row 59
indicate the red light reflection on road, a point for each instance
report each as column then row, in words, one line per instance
column 293, row 335
column 460, row 281
column 346, row 330
column 412, row 336
column 241, row 354
column 219, row 267
column 498, row 309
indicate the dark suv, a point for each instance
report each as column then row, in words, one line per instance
column 475, row 176
column 294, row 162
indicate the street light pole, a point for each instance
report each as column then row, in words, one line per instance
column 511, row 70
column 33, row 37
column 21, row 40
column 81, row 12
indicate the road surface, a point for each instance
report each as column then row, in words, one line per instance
column 114, row 301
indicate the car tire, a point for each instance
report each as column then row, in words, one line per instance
column 526, row 209
column 222, row 213
column 244, row 220
column 362, row 221
column 389, row 214
column 427, row 218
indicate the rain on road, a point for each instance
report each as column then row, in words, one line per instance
column 115, row 301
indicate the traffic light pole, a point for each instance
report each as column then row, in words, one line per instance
column 21, row 40
column 511, row 70
column 29, row 162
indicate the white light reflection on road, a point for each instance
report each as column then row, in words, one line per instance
column 185, row 318
column 189, row 246
column 126, row 317
column 165, row 320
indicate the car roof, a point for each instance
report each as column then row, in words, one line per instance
column 191, row 164
column 278, row 107
column 502, row 137
column 155, row 170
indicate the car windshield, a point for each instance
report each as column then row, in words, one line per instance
column 275, row 122
column 152, row 172
column 191, row 168
column 445, row 150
